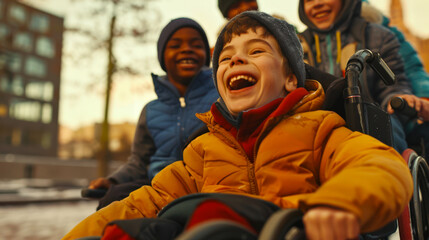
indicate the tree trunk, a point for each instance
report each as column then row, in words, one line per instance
column 103, row 161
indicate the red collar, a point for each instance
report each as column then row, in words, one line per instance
column 252, row 121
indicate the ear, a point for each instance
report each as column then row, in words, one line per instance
column 291, row 83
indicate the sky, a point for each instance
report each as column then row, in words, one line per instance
column 82, row 84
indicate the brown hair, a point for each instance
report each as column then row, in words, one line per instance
column 241, row 25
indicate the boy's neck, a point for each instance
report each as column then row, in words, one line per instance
column 181, row 88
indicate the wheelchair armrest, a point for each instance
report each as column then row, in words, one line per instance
column 93, row 193
column 401, row 107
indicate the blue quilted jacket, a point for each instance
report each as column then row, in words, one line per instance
column 165, row 125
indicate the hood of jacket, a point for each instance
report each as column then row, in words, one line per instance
column 350, row 9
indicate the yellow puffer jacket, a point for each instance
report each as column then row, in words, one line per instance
column 302, row 159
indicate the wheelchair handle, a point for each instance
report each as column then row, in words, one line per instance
column 375, row 61
column 401, row 106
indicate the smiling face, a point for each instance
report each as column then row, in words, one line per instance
column 252, row 72
column 184, row 56
column 322, row 13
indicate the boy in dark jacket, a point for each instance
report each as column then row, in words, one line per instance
column 335, row 31
column 166, row 123
column 268, row 140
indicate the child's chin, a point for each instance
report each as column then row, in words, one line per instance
column 239, row 107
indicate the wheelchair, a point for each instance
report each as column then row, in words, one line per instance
column 275, row 223
column 414, row 221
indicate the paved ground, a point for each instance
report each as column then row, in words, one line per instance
column 36, row 209
column 42, row 221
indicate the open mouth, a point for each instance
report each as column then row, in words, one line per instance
column 187, row 61
column 321, row 14
column 241, row 81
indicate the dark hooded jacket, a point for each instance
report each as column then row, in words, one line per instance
column 330, row 49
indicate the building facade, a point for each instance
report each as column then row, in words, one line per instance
column 420, row 44
column 30, row 67
column 84, row 142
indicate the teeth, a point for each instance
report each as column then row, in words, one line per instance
column 187, row 61
column 241, row 81
column 322, row 14
column 245, row 77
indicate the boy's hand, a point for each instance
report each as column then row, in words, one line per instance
column 330, row 223
column 100, row 183
column 424, row 111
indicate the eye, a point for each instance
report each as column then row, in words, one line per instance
column 257, row 51
column 199, row 46
column 224, row 59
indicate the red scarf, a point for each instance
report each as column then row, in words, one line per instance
column 252, row 121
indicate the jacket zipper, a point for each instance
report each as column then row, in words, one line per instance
column 250, row 165
column 252, row 178
column 180, row 119
column 182, row 102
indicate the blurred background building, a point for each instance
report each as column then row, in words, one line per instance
column 420, row 44
column 84, row 142
column 30, row 67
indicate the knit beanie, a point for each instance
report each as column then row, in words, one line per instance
column 285, row 35
column 171, row 28
column 224, row 6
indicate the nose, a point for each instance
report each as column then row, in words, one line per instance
column 186, row 47
column 318, row 2
column 237, row 59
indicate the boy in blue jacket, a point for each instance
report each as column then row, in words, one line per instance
column 166, row 123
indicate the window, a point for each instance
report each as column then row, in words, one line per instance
column 3, row 110
column 23, row 41
column 25, row 110
column 14, row 62
column 35, row 137
column 17, row 85
column 6, row 135
column 1, row 8
column 39, row 90
column 17, row 14
column 46, row 113
column 45, row 47
column 4, row 34
column 12, row 84
column 39, row 23
column 35, row 67
column 5, row 83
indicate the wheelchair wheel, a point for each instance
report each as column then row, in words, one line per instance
column 419, row 205
column 218, row 230
column 285, row 224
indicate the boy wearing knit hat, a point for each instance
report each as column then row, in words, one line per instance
column 166, row 123
column 268, row 140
